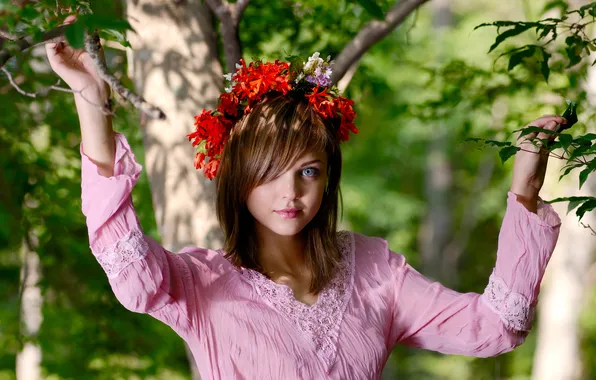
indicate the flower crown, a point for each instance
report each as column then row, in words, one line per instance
column 249, row 85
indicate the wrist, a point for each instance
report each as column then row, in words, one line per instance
column 530, row 202
column 93, row 93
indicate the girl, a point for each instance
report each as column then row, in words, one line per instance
column 289, row 297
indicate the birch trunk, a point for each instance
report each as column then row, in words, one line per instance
column 28, row 365
column 174, row 65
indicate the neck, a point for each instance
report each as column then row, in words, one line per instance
column 281, row 255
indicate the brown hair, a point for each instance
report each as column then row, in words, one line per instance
column 261, row 146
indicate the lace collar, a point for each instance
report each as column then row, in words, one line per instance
column 319, row 322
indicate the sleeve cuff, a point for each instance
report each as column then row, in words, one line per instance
column 103, row 196
column 546, row 216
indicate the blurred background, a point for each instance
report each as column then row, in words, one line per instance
column 410, row 176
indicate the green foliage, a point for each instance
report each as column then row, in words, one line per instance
column 579, row 151
column 416, row 84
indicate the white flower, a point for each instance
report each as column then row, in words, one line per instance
column 228, row 89
column 238, row 66
column 299, row 77
column 313, row 61
column 228, row 76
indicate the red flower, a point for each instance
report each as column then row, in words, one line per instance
column 211, row 168
column 228, row 104
column 252, row 83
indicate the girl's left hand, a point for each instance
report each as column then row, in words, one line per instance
column 530, row 163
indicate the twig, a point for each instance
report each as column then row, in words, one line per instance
column 588, row 226
column 26, row 42
column 92, row 47
column 8, row 36
column 105, row 108
column 370, row 34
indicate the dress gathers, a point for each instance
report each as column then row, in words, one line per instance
column 241, row 325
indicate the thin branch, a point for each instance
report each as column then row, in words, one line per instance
column 105, row 108
column 370, row 34
column 8, row 36
column 26, row 42
column 229, row 15
column 92, row 47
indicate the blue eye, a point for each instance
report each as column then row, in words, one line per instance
column 310, row 172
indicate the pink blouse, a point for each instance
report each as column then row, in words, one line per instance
column 241, row 325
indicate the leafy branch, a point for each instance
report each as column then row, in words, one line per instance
column 84, row 33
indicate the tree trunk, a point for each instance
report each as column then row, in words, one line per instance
column 174, row 65
column 28, row 365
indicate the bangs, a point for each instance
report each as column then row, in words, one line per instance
column 277, row 133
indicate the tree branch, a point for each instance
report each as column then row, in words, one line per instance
column 92, row 47
column 370, row 34
column 229, row 15
column 238, row 10
column 26, row 42
column 105, row 108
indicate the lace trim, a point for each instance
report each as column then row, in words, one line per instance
column 319, row 322
column 117, row 256
column 513, row 308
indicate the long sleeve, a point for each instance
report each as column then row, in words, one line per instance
column 144, row 276
column 428, row 315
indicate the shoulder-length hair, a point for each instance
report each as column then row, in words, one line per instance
column 261, row 146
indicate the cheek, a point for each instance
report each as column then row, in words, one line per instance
column 257, row 200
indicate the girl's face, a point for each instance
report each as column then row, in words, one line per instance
column 287, row 203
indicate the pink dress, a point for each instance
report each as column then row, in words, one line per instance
column 241, row 325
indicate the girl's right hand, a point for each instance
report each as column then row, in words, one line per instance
column 76, row 69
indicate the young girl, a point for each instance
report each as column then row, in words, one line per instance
column 289, row 297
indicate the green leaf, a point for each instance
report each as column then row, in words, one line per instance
column 75, row 35
column 532, row 129
column 587, row 206
column 573, row 204
column 518, row 57
column 570, row 114
column 544, row 65
column 372, row 8
column 583, row 176
column 507, row 152
column 565, row 140
column 519, row 28
column 114, row 35
column 101, row 21
column 574, row 48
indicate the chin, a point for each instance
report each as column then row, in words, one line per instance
column 285, row 230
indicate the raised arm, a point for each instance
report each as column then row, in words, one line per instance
column 430, row 316
column 144, row 276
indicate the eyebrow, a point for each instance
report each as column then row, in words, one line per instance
column 310, row 162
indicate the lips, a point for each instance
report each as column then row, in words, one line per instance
column 288, row 213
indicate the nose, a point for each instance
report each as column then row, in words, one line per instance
column 289, row 186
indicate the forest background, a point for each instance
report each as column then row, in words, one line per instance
column 410, row 175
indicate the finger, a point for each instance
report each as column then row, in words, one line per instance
column 543, row 120
column 57, row 46
column 550, row 126
column 70, row 19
